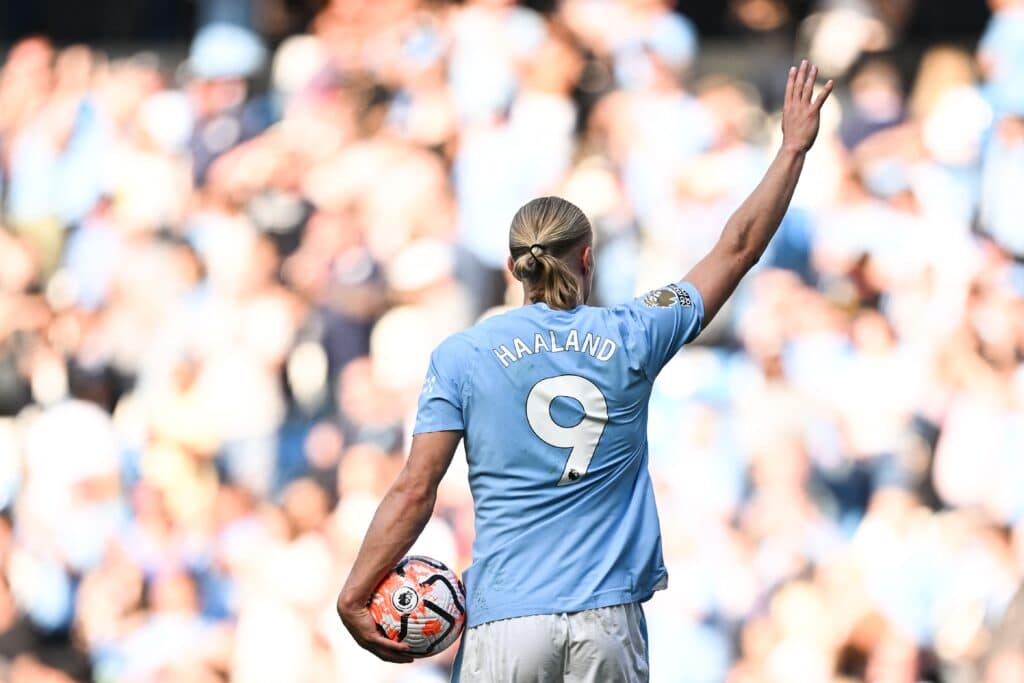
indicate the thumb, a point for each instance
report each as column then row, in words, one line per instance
column 823, row 95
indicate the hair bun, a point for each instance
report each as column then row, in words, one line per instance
column 545, row 236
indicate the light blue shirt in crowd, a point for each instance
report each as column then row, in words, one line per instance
column 1003, row 44
column 553, row 406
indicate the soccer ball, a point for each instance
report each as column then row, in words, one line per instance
column 420, row 603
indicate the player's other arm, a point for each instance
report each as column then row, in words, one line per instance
column 751, row 227
column 397, row 524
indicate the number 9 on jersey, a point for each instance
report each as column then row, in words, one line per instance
column 583, row 437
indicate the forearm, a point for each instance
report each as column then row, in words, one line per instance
column 753, row 225
column 749, row 230
column 396, row 525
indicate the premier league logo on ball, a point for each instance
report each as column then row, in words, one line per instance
column 405, row 599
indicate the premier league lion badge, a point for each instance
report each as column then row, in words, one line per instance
column 666, row 297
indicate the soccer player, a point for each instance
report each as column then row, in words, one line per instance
column 551, row 399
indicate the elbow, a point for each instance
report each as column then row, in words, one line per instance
column 740, row 252
column 421, row 499
column 736, row 241
column 734, row 246
column 414, row 493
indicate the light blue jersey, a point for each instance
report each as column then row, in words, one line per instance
column 553, row 405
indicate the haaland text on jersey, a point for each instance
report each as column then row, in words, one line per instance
column 592, row 345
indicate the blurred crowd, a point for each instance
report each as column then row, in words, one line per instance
column 220, row 282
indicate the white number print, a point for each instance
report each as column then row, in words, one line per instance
column 581, row 438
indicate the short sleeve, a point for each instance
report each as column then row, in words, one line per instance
column 665, row 319
column 440, row 403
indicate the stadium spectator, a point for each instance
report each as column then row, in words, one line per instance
column 217, row 294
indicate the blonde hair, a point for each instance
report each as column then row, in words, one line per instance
column 544, row 231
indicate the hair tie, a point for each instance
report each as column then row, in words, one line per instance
column 537, row 250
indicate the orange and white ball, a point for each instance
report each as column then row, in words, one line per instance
column 421, row 603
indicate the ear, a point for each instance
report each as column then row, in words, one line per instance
column 510, row 264
column 587, row 259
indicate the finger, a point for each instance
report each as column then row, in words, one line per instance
column 377, row 641
column 393, row 658
column 812, row 75
column 387, row 649
column 388, row 657
column 823, row 95
column 801, row 76
column 789, row 83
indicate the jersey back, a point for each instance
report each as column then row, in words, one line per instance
column 553, row 407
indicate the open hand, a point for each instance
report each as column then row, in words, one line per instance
column 364, row 630
column 800, row 115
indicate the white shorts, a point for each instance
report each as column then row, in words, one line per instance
column 604, row 645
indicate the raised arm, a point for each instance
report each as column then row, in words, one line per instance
column 401, row 516
column 751, row 227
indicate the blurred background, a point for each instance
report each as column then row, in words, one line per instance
column 233, row 231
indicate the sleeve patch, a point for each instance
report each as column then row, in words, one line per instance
column 667, row 296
